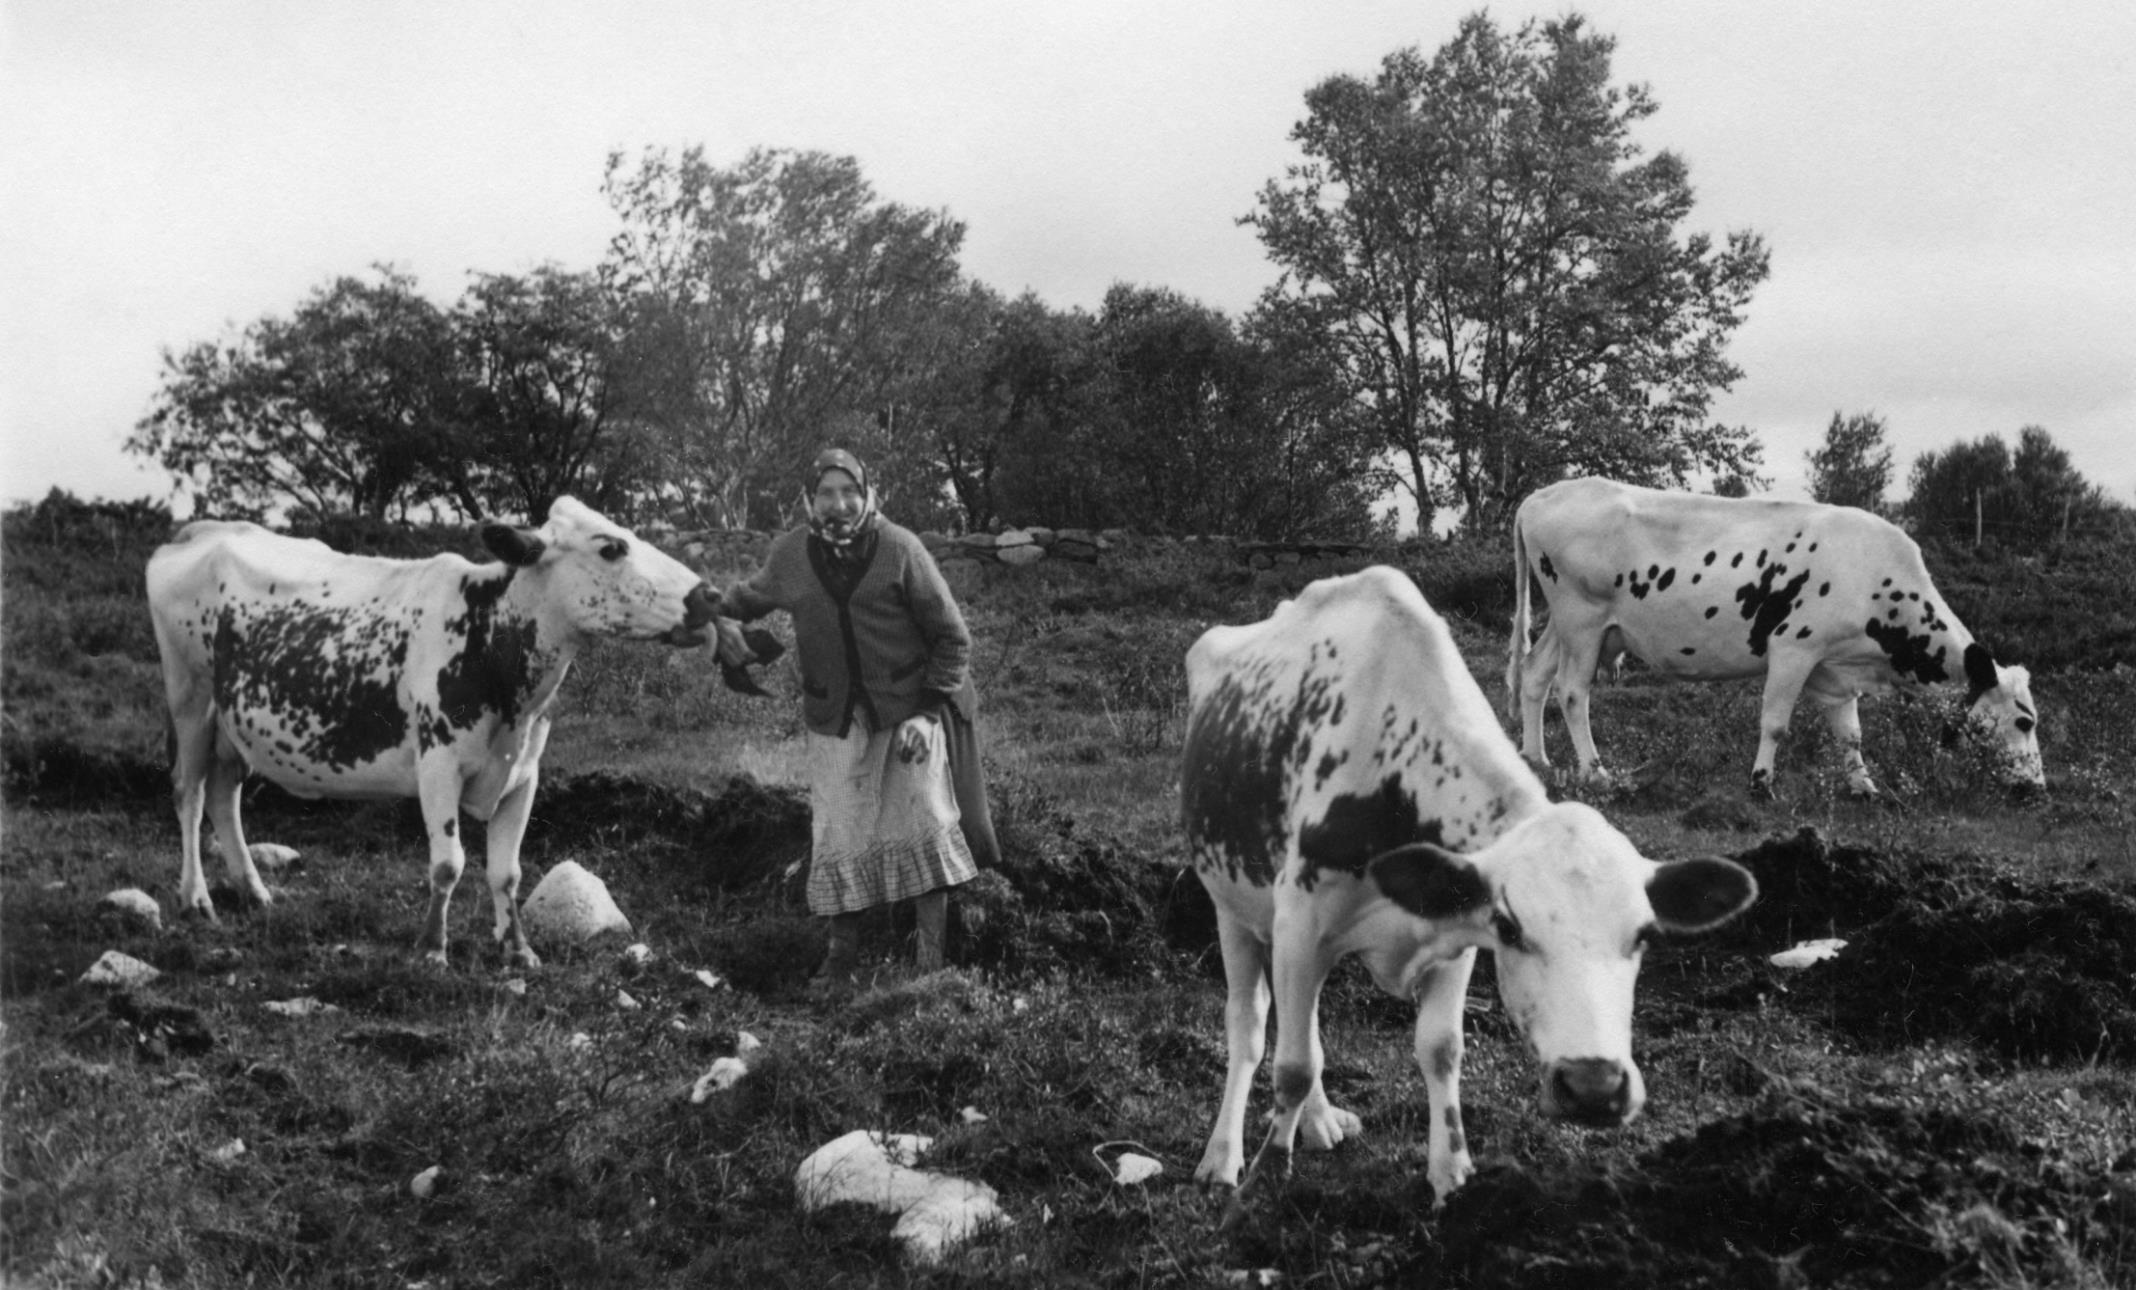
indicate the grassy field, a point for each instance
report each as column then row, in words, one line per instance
column 1951, row 1103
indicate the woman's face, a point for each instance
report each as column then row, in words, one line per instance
column 839, row 500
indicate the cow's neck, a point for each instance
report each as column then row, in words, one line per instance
column 1922, row 646
column 517, row 653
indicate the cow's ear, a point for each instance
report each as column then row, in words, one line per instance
column 1430, row 881
column 516, row 547
column 1694, row 895
column 1980, row 674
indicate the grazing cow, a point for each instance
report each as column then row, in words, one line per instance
column 1346, row 788
column 352, row 677
column 1827, row 600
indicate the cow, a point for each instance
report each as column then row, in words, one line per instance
column 1827, row 600
column 1346, row 788
column 347, row 676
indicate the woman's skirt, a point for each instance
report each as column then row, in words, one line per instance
column 884, row 829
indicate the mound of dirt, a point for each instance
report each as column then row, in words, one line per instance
column 740, row 836
column 1808, row 887
column 1063, row 897
column 2035, row 974
column 1802, row 1190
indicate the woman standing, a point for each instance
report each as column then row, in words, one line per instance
column 896, row 792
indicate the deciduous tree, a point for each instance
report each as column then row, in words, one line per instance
column 778, row 294
column 345, row 405
column 1852, row 467
column 1499, row 269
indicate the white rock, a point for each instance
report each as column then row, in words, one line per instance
column 936, row 1212
column 973, row 1115
column 1131, row 1169
column 272, row 857
column 579, row 1041
column 302, row 1006
column 625, row 1001
column 570, row 904
column 709, row 979
column 423, row 1184
column 725, row 1074
column 637, row 954
column 515, row 987
column 136, row 905
column 227, row 1154
column 744, row 1042
column 1029, row 553
column 1808, row 952
column 1013, row 537
column 117, row 969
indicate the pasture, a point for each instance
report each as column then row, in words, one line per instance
column 1950, row 1102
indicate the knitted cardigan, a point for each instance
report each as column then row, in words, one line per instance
column 900, row 634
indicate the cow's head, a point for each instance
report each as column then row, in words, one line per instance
column 1999, row 703
column 604, row 580
column 1567, row 905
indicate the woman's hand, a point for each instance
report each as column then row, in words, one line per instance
column 915, row 735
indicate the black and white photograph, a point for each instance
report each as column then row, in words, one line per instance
column 1255, row 644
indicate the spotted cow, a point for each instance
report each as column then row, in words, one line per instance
column 1825, row 600
column 347, row 676
column 1346, row 788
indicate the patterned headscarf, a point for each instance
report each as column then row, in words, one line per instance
column 837, row 533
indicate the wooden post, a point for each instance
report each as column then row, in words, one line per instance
column 1976, row 519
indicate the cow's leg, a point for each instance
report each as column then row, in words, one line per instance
column 1537, row 671
column 1842, row 714
column 506, row 828
column 1442, row 996
column 192, row 757
column 1579, row 654
column 1301, row 967
column 226, row 780
column 1246, row 1036
column 438, row 789
column 1785, row 674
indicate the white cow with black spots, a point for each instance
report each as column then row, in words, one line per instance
column 348, row 676
column 1346, row 789
column 1828, row 601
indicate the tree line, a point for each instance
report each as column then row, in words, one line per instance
column 1483, row 283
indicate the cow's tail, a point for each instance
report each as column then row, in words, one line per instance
column 1517, row 641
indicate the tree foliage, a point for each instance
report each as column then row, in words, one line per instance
column 1498, row 269
column 775, row 299
column 549, row 405
column 2026, row 500
column 343, row 406
column 1852, row 467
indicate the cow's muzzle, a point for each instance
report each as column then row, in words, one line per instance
column 1588, row 1090
column 698, row 609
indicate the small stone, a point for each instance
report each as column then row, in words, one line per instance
column 1808, row 952
column 1132, row 1170
column 116, row 969
column 744, row 1042
column 424, row 1184
column 625, row 1001
column 273, row 857
column 571, row 905
column 134, row 905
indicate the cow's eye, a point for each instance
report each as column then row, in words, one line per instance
column 2024, row 725
column 614, row 549
column 1507, row 929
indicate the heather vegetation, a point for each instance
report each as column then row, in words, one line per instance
column 1949, row 1102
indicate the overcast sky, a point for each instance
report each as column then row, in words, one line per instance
column 1948, row 187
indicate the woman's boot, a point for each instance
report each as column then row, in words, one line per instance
column 841, row 954
column 932, row 915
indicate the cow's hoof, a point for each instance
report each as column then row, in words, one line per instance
column 1327, row 1130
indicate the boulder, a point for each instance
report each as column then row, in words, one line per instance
column 573, row 906
column 1022, row 553
column 936, row 1212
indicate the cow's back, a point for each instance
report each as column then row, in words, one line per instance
column 1707, row 586
column 300, row 652
column 1343, row 725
